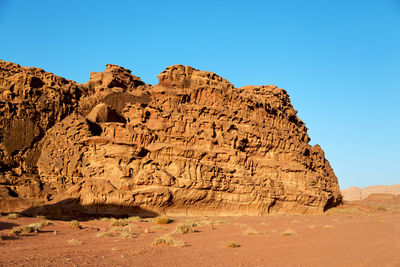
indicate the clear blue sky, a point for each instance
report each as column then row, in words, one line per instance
column 339, row 60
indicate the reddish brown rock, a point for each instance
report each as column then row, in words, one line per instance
column 192, row 144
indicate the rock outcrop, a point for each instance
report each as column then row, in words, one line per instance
column 192, row 144
column 356, row 193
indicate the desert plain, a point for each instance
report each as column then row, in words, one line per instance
column 358, row 233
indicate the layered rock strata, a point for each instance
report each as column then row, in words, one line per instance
column 192, row 144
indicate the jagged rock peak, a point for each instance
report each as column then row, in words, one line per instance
column 179, row 76
column 114, row 76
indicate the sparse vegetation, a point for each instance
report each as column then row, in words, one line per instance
column 288, row 232
column 127, row 234
column 350, row 210
column 104, row 234
column 41, row 217
column 12, row 216
column 158, row 227
column 75, row 242
column 250, row 231
column 328, row 226
column 232, row 244
column 215, row 222
column 27, row 229
column 184, row 228
column 162, row 220
column 135, row 219
column 45, row 223
column 167, row 240
column 75, row 223
column 119, row 222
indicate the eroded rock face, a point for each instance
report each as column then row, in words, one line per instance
column 192, row 144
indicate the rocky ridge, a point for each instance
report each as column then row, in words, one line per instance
column 192, row 144
column 356, row 193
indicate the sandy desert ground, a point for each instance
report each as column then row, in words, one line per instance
column 365, row 233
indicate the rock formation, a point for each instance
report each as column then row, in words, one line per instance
column 192, row 144
column 356, row 193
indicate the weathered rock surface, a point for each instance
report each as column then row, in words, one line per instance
column 192, row 144
column 356, row 193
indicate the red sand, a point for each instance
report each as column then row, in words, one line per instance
column 354, row 235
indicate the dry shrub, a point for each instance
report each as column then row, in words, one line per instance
column 184, row 228
column 232, row 244
column 45, row 223
column 162, row 220
column 382, row 208
column 74, row 223
column 167, row 240
column 27, row 229
column 328, row 226
column 119, row 222
column 128, row 234
column 288, row 232
column 12, row 216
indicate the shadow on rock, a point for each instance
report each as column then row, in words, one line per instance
column 7, row 225
column 72, row 208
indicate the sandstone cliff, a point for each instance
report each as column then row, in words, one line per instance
column 191, row 144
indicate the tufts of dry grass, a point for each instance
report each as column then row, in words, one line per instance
column 104, row 234
column 135, row 219
column 41, row 217
column 162, row 220
column 250, row 231
column 349, row 210
column 128, row 234
column 215, row 222
column 75, row 242
column 328, row 226
column 288, row 232
column 12, row 216
column 232, row 244
column 75, row 224
column 45, row 223
column 167, row 240
column 27, row 229
column 119, row 222
column 184, row 228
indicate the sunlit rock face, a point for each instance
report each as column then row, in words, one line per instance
column 192, row 144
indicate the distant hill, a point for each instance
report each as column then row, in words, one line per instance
column 356, row 193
